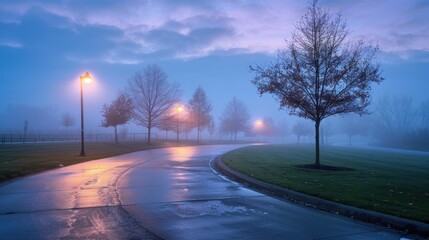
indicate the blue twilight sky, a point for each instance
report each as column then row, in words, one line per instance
column 46, row 45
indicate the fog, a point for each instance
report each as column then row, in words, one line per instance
column 45, row 52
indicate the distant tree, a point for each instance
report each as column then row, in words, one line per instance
column 235, row 118
column 395, row 117
column 67, row 120
column 168, row 124
column 354, row 125
column 424, row 115
column 186, row 124
column 211, row 127
column 152, row 96
column 199, row 110
column 284, row 128
column 301, row 129
column 118, row 112
column 321, row 73
column 328, row 129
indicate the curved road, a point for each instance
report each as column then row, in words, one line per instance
column 167, row 193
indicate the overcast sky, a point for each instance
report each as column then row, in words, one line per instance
column 46, row 45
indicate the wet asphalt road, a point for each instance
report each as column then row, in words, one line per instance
column 164, row 193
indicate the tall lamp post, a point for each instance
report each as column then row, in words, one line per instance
column 87, row 79
column 179, row 110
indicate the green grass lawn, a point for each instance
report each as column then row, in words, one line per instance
column 22, row 159
column 392, row 183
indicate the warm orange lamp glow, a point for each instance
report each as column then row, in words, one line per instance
column 86, row 78
column 259, row 123
column 180, row 109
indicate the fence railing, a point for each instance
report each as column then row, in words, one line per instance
column 98, row 137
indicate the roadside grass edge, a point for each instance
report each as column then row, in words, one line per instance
column 398, row 223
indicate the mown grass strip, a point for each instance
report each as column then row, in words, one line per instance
column 388, row 182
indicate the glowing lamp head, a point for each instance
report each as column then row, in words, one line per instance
column 259, row 123
column 86, row 78
column 180, row 109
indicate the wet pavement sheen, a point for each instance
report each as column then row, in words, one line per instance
column 167, row 193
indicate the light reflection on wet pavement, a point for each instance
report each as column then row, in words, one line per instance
column 164, row 193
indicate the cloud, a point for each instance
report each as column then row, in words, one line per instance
column 181, row 29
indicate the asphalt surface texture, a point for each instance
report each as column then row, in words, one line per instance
column 170, row 193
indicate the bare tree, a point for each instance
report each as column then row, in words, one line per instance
column 327, row 129
column 301, row 129
column 186, row 124
column 424, row 115
column 211, row 127
column 152, row 96
column 118, row 112
column 199, row 110
column 67, row 120
column 235, row 118
column 353, row 125
column 168, row 124
column 320, row 73
column 395, row 117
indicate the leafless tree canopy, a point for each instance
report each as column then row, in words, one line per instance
column 301, row 129
column 199, row 110
column 235, row 118
column 169, row 122
column 321, row 73
column 211, row 127
column 152, row 96
column 117, row 113
column 401, row 122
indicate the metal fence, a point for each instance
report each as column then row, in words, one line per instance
column 98, row 137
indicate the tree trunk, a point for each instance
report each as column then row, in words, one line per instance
column 148, row 135
column 323, row 137
column 317, row 145
column 116, row 135
column 235, row 136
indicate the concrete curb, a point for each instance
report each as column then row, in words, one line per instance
column 398, row 223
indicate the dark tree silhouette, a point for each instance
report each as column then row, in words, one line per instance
column 117, row 113
column 235, row 118
column 321, row 73
column 152, row 96
column 199, row 110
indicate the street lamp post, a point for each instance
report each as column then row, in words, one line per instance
column 87, row 79
column 179, row 110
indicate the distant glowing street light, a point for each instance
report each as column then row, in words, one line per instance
column 259, row 125
column 179, row 109
column 83, row 79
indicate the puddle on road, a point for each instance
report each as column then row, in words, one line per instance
column 212, row 208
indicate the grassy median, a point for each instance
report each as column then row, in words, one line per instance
column 388, row 182
column 18, row 160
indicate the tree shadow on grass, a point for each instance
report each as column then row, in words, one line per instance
column 324, row 167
